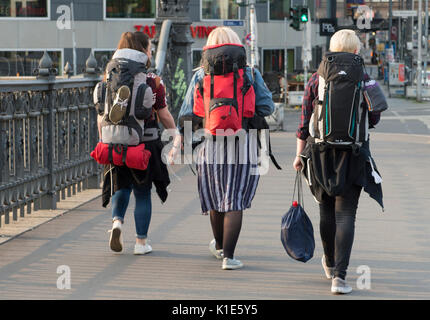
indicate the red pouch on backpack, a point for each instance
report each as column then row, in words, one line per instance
column 137, row 157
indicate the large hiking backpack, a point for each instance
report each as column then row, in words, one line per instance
column 225, row 95
column 339, row 117
column 130, row 130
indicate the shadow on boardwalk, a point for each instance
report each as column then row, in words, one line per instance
column 393, row 244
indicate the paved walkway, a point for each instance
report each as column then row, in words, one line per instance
column 393, row 244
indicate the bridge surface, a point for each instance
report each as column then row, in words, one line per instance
column 392, row 244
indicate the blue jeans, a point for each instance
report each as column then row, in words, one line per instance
column 142, row 210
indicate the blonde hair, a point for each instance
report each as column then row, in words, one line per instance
column 345, row 41
column 222, row 35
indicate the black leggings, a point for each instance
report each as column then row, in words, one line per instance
column 337, row 222
column 226, row 229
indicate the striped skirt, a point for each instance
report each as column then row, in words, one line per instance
column 227, row 173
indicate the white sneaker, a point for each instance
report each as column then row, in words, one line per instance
column 115, row 242
column 329, row 271
column 339, row 286
column 119, row 107
column 217, row 253
column 142, row 248
column 231, row 264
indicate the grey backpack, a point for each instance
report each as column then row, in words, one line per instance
column 130, row 130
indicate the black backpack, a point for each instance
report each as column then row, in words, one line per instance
column 340, row 118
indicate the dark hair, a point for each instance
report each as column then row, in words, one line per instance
column 142, row 38
column 129, row 41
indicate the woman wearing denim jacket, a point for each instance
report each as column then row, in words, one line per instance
column 219, row 195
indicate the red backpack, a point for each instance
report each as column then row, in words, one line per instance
column 225, row 95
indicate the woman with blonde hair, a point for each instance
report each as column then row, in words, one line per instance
column 337, row 173
column 222, row 93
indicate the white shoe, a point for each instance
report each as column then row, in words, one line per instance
column 217, row 253
column 119, row 107
column 115, row 242
column 231, row 264
column 329, row 271
column 339, row 286
column 142, row 248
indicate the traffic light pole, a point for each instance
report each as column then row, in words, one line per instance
column 253, row 31
column 419, row 58
column 426, row 36
column 304, row 50
column 285, row 61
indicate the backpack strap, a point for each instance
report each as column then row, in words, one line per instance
column 107, row 104
column 235, row 77
column 110, row 153
column 212, row 74
column 127, row 112
column 272, row 156
column 124, row 154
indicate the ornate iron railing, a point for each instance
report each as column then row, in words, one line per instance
column 48, row 127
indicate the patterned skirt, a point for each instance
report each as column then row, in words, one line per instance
column 227, row 173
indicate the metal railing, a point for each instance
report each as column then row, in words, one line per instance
column 48, row 127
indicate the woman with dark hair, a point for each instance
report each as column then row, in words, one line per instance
column 119, row 181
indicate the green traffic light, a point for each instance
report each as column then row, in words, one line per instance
column 304, row 14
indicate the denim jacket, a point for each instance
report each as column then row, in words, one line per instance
column 264, row 105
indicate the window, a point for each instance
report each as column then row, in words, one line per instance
column 197, row 57
column 279, row 9
column 220, row 9
column 23, row 8
column 130, row 9
column 23, row 62
column 273, row 60
column 103, row 56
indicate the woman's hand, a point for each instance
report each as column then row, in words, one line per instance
column 297, row 164
column 173, row 153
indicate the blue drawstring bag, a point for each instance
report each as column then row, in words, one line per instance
column 297, row 233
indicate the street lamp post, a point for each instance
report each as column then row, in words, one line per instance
column 419, row 58
column 176, row 68
column 253, row 31
column 252, row 24
column 285, row 83
column 426, row 32
column 73, row 39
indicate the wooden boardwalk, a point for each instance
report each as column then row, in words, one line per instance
column 393, row 244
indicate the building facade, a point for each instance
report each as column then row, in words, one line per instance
column 28, row 27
